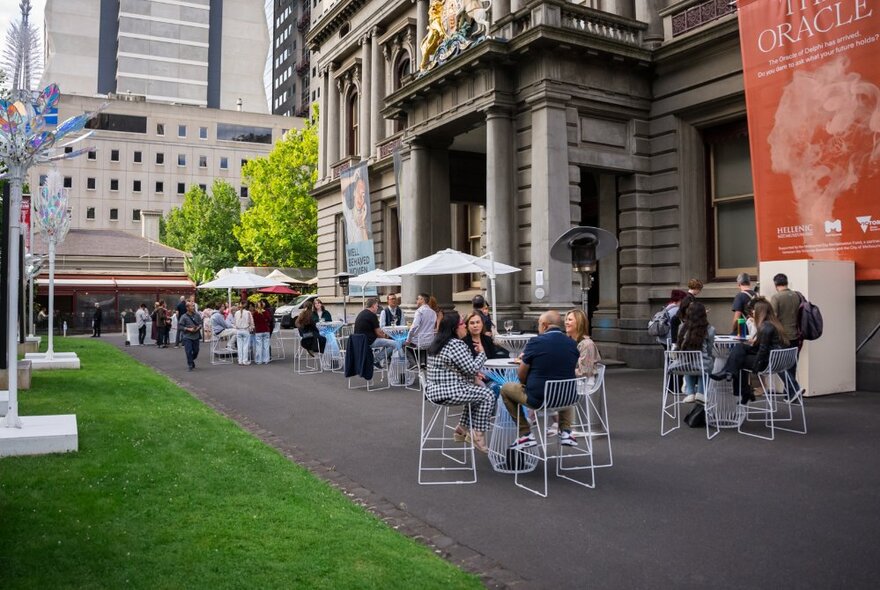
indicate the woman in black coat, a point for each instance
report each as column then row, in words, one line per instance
column 755, row 355
column 476, row 333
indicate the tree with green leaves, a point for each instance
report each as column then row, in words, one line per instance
column 204, row 225
column 280, row 228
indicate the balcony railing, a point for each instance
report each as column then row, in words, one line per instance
column 343, row 165
column 302, row 65
column 601, row 24
column 303, row 23
column 387, row 148
column 700, row 14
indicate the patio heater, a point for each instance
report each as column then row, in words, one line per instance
column 583, row 247
column 342, row 281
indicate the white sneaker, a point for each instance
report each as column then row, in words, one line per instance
column 553, row 430
column 700, row 398
column 566, row 438
column 689, row 399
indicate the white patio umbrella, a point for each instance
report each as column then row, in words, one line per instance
column 452, row 262
column 277, row 275
column 375, row 278
column 239, row 280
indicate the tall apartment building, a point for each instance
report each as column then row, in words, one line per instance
column 291, row 71
column 207, row 53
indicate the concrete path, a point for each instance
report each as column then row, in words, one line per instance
column 673, row 512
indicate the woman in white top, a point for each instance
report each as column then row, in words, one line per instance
column 244, row 327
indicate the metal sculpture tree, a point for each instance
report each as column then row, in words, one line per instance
column 24, row 142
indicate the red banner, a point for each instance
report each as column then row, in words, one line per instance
column 811, row 71
column 26, row 222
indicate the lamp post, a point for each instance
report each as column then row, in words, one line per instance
column 54, row 219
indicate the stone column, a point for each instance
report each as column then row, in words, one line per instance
column 500, row 9
column 377, row 87
column 421, row 29
column 551, row 200
column 647, row 12
column 365, row 99
column 323, row 113
column 333, row 127
column 440, row 211
column 516, row 5
column 415, row 216
column 501, row 203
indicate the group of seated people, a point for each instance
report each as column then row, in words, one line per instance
column 246, row 326
column 458, row 353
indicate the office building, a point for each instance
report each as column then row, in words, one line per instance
column 291, row 63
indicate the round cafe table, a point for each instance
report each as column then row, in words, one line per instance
column 515, row 343
column 398, row 375
column 504, row 430
column 332, row 357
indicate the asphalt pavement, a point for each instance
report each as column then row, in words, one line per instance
column 673, row 512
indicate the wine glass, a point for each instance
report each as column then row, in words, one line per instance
column 508, row 325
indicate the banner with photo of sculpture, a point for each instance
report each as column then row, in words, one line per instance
column 360, row 256
column 812, row 83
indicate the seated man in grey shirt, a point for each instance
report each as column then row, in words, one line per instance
column 421, row 334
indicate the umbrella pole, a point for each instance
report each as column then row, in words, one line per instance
column 492, row 285
column 229, row 297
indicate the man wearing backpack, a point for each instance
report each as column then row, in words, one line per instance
column 741, row 301
column 786, row 303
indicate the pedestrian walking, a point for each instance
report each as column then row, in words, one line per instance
column 190, row 327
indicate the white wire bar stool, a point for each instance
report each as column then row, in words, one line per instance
column 593, row 401
column 764, row 409
column 677, row 364
column 439, row 454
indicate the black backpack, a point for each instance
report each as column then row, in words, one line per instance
column 659, row 324
column 809, row 320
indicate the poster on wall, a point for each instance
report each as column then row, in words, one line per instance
column 359, row 251
column 812, row 86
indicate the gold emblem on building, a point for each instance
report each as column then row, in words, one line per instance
column 453, row 26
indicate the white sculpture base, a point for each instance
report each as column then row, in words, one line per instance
column 60, row 360
column 37, row 339
column 40, row 435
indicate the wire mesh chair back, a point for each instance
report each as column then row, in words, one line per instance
column 561, row 393
column 781, row 359
column 684, row 362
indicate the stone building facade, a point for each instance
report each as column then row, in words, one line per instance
column 624, row 114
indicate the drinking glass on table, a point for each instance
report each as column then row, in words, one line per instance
column 508, row 325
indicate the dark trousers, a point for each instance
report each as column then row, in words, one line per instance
column 741, row 357
column 142, row 334
column 96, row 329
column 791, row 384
column 191, row 347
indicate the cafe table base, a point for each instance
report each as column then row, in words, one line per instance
column 504, row 433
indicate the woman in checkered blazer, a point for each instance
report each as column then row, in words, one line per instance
column 452, row 380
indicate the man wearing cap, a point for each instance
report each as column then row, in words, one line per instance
column 741, row 301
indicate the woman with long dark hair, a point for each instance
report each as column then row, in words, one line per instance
column 452, row 375
column 476, row 334
column 696, row 334
column 320, row 314
column 311, row 340
column 755, row 355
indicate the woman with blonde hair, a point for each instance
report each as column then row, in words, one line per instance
column 577, row 327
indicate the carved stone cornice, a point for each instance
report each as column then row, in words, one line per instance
column 330, row 22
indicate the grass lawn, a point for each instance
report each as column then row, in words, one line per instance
column 165, row 493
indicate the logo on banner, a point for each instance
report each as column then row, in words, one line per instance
column 794, row 231
column 868, row 224
column 834, row 226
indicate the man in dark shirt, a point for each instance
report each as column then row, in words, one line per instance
column 742, row 299
column 787, row 303
column 190, row 326
column 549, row 356
column 97, row 319
column 367, row 323
column 181, row 311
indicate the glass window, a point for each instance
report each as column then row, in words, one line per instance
column 160, row 158
column 123, row 123
column 90, row 212
column 160, row 186
column 203, row 188
column 114, row 184
column 90, row 184
column 181, row 131
column 68, row 182
column 245, row 133
column 114, row 155
column 92, row 155
column 203, row 133
column 68, row 150
column 181, row 159
column 135, row 214
column 136, row 186
column 137, row 157
column 224, row 163
column 243, row 162
column 181, row 188
column 351, row 147
column 114, row 214
column 203, row 161
column 160, row 128
column 732, row 202
column 244, row 192
column 42, row 179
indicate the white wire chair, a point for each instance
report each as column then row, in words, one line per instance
column 677, row 364
column 558, row 395
column 221, row 352
column 380, row 374
column 414, row 373
column 303, row 362
column 782, row 360
column 342, row 337
column 276, row 344
column 593, row 402
column 436, row 440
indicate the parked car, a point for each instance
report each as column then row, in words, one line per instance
column 286, row 314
